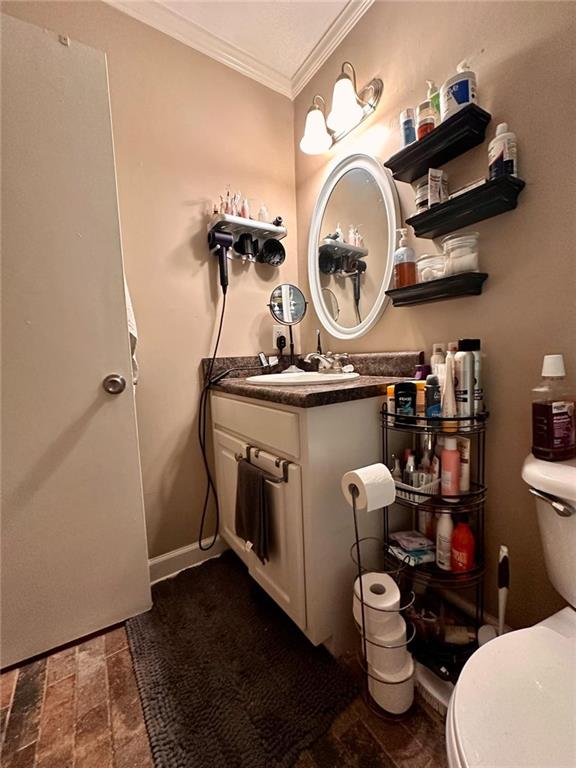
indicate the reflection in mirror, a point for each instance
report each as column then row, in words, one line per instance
column 331, row 303
column 287, row 304
column 353, row 246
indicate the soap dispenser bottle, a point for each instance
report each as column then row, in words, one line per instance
column 404, row 263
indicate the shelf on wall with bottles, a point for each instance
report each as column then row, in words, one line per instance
column 490, row 199
column 338, row 248
column 451, row 287
column 237, row 225
column 454, row 136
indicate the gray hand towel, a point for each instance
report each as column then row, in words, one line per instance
column 252, row 522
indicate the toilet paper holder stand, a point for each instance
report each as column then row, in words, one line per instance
column 362, row 627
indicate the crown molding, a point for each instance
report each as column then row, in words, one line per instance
column 173, row 24
column 330, row 40
column 170, row 22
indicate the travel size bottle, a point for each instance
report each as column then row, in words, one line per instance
column 553, row 427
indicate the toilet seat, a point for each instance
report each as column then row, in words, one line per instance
column 515, row 703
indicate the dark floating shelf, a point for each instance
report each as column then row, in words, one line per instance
column 490, row 199
column 453, row 137
column 464, row 284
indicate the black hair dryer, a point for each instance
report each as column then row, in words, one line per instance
column 220, row 242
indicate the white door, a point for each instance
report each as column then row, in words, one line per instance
column 226, row 448
column 73, row 539
column 282, row 576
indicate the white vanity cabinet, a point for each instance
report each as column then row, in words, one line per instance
column 310, row 573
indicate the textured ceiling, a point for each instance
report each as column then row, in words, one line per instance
column 279, row 34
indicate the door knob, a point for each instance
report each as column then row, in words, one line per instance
column 114, row 384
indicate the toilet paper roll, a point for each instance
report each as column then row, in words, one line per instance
column 375, row 487
column 387, row 653
column 394, row 693
column 381, row 602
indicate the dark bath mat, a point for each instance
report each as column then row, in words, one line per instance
column 226, row 679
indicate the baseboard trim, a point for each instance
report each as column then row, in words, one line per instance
column 170, row 563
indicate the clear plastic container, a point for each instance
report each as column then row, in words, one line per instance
column 461, row 252
column 431, row 267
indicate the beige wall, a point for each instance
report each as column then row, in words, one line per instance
column 524, row 57
column 184, row 127
column 176, row 151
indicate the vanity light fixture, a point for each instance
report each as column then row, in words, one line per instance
column 316, row 139
column 349, row 109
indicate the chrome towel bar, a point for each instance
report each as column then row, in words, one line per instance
column 284, row 463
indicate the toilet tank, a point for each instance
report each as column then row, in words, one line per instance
column 556, row 480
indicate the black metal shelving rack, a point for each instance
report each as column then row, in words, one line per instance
column 443, row 658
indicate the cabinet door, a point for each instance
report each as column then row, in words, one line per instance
column 225, row 449
column 283, row 575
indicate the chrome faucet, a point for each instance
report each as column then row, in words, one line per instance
column 328, row 362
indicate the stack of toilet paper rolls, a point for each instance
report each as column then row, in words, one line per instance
column 390, row 665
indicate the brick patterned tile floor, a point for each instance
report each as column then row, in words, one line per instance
column 76, row 708
column 79, row 708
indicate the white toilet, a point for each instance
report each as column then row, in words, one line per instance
column 514, row 705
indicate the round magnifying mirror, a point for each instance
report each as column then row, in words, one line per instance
column 287, row 304
column 331, row 303
column 288, row 307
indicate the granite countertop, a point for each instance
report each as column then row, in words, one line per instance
column 311, row 395
column 377, row 370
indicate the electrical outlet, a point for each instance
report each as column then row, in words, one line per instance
column 277, row 331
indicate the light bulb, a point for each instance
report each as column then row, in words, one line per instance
column 346, row 111
column 316, row 139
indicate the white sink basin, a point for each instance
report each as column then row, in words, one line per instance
column 295, row 379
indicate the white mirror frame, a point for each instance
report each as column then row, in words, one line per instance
column 387, row 188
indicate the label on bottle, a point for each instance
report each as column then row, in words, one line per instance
column 443, row 551
column 409, row 132
column 554, row 434
column 460, row 560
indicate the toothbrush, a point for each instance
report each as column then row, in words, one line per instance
column 503, row 585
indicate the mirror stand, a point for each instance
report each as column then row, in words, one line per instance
column 288, row 307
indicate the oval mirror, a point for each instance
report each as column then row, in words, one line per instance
column 351, row 245
column 287, row 304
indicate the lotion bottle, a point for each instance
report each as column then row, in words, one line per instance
column 404, row 263
column 450, row 477
column 444, row 531
column 503, row 153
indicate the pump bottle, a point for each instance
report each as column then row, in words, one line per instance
column 404, row 263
